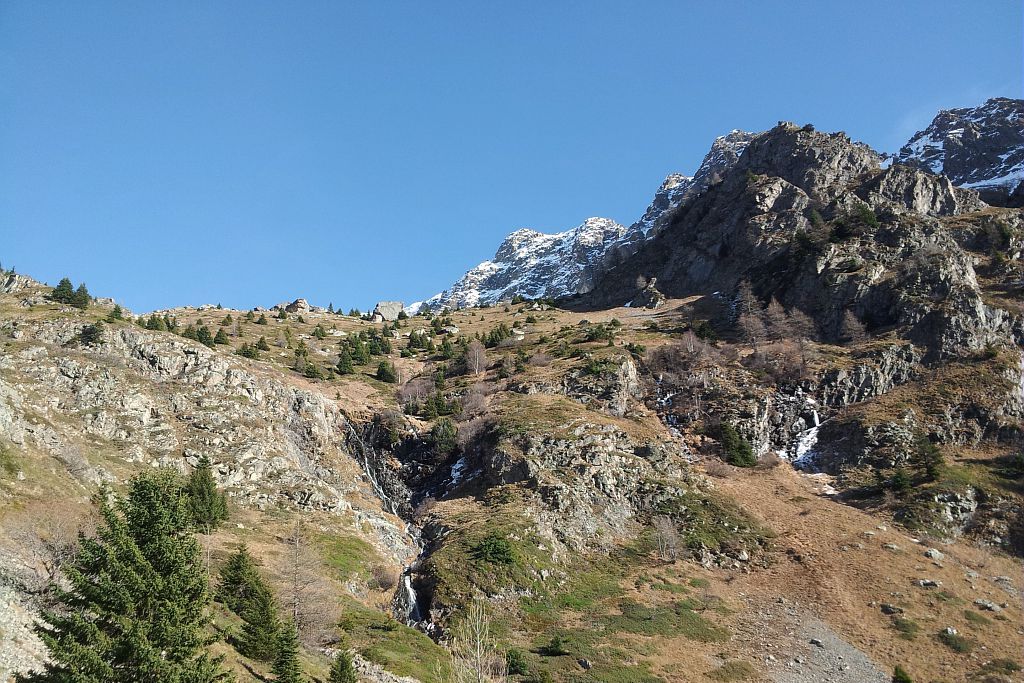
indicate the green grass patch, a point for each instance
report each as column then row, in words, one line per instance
column 1006, row 667
column 975, row 617
column 670, row 587
column 402, row 650
column 698, row 582
column 956, row 642
column 733, row 670
column 711, row 521
column 9, row 463
column 675, row 619
column 348, row 555
column 907, row 629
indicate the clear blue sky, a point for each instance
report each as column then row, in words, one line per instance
column 249, row 152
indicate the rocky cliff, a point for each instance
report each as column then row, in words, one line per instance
column 977, row 147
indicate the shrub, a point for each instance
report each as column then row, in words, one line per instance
column 736, row 450
column 495, row 549
column 91, row 334
column 955, row 642
column 515, row 662
column 901, row 676
column 443, row 436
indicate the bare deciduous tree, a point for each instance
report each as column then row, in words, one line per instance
column 852, row 329
column 475, row 656
column 476, row 357
column 777, row 320
column 307, row 598
column 667, row 537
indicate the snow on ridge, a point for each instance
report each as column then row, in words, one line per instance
column 535, row 264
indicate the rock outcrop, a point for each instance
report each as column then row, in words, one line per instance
column 976, row 147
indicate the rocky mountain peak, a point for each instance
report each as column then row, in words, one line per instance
column 977, row 147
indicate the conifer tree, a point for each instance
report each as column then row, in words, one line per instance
column 135, row 603
column 342, row 670
column 261, row 631
column 286, row 667
column 204, row 336
column 282, row 314
column 345, row 366
column 250, row 316
column 116, row 314
column 262, row 344
column 63, row 292
column 221, row 337
column 209, row 506
column 262, row 319
column 81, row 297
column 239, row 580
column 386, row 372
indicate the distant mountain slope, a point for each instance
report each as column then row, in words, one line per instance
column 535, row 264
column 981, row 148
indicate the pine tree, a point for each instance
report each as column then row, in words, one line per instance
column 135, row 604
column 116, row 314
column 344, row 366
column 209, row 506
column 204, row 336
column 261, row 631
column 63, row 292
column 262, row 319
column 342, row 670
column 239, row 580
column 221, row 337
column 386, row 372
column 81, row 298
column 250, row 316
column 282, row 314
column 286, row 667
column 262, row 344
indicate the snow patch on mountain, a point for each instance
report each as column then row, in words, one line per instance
column 977, row 147
column 538, row 265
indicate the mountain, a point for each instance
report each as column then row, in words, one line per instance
column 777, row 439
column 538, row 265
column 977, row 147
column 532, row 264
column 981, row 148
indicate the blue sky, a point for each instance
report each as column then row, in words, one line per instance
column 250, row 152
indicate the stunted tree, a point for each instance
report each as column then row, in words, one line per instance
column 342, row 669
column 852, row 330
column 667, row 537
column 776, row 320
column 135, row 602
column 752, row 328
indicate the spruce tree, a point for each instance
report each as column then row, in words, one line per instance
column 63, row 292
column 262, row 344
column 261, row 636
column 209, row 506
column 81, row 298
column 221, row 337
column 345, row 366
column 135, row 602
column 286, row 667
column 386, row 372
column 204, row 336
column 116, row 314
column 342, row 670
column 239, row 580
column 282, row 314
column 262, row 320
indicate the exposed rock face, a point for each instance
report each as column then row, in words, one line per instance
column 977, row 147
column 155, row 398
column 534, row 265
column 387, row 311
column 297, row 306
column 538, row 265
column 906, row 270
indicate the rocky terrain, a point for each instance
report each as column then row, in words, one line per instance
column 977, row 147
column 981, row 148
column 777, row 439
